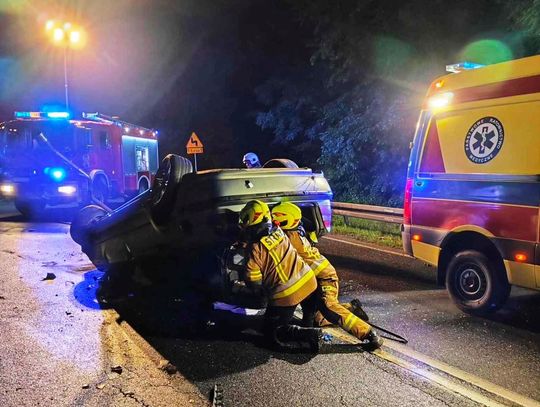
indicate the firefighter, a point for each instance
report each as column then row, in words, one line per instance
column 275, row 269
column 251, row 160
column 351, row 316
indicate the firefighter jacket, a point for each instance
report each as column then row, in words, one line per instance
column 314, row 259
column 273, row 263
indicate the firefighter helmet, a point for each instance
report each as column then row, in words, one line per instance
column 255, row 212
column 287, row 215
column 251, row 160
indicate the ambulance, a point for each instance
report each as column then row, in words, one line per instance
column 473, row 182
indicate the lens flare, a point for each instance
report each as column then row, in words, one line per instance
column 487, row 52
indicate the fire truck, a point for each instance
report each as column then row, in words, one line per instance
column 50, row 159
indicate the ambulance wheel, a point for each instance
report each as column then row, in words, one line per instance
column 476, row 283
column 163, row 195
column 30, row 209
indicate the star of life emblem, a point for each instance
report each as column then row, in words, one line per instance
column 484, row 140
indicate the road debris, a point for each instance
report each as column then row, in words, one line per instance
column 85, row 386
column 49, row 277
column 167, row 367
column 100, row 386
column 117, row 369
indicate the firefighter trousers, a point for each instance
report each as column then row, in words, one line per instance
column 330, row 311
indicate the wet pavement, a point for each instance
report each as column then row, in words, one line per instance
column 60, row 335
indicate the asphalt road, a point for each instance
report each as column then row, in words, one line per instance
column 56, row 338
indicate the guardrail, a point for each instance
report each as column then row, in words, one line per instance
column 371, row 212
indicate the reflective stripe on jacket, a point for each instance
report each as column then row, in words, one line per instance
column 274, row 263
column 311, row 255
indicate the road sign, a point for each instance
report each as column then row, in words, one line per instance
column 194, row 145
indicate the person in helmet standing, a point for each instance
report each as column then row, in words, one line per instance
column 351, row 316
column 275, row 270
column 251, row 160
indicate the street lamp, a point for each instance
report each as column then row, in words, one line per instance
column 68, row 36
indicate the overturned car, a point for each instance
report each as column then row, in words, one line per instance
column 189, row 221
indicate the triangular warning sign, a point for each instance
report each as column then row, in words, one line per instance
column 194, row 141
column 194, row 145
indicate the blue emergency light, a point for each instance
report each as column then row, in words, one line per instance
column 42, row 115
column 463, row 66
column 58, row 174
column 58, row 115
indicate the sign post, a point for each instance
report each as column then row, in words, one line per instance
column 194, row 146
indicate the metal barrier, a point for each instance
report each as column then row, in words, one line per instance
column 371, row 212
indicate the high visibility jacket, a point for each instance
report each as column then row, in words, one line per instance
column 315, row 260
column 274, row 264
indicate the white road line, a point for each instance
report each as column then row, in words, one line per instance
column 445, row 368
column 365, row 246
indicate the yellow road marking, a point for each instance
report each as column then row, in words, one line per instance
column 365, row 246
column 443, row 367
column 467, row 377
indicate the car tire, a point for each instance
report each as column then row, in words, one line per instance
column 280, row 163
column 168, row 176
column 84, row 218
column 476, row 283
column 30, row 209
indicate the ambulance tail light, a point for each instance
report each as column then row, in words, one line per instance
column 407, row 204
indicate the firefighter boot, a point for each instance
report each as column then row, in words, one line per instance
column 312, row 337
column 356, row 309
column 371, row 341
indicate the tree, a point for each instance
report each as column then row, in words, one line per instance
column 356, row 98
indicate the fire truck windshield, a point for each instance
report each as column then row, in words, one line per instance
column 23, row 136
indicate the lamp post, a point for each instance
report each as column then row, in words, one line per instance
column 68, row 36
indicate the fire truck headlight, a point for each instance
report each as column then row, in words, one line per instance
column 67, row 189
column 7, row 189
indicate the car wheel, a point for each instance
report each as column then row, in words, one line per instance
column 30, row 209
column 476, row 283
column 166, row 181
column 80, row 224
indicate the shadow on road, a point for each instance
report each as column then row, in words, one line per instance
column 380, row 275
column 520, row 311
column 183, row 327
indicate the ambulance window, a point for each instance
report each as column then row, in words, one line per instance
column 432, row 160
column 104, row 140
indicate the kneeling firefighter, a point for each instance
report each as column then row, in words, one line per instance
column 276, row 270
column 349, row 316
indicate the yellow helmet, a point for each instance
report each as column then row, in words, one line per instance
column 287, row 215
column 254, row 213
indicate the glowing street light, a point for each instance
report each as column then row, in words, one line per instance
column 66, row 35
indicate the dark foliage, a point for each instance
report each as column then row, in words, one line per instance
column 352, row 105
